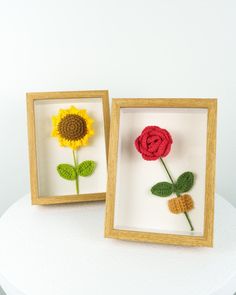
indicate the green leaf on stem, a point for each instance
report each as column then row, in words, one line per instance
column 67, row 171
column 162, row 189
column 86, row 168
column 184, row 182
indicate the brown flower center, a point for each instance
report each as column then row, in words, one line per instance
column 72, row 127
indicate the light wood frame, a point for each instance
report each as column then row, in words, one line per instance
column 207, row 238
column 31, row 98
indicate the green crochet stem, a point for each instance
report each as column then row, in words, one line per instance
column 77, row 177
column 171, row 179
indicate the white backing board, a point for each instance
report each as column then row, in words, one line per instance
column 50, row 153
column 135, row 207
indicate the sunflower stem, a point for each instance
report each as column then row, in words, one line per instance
column 77, row 176
column 178, row 195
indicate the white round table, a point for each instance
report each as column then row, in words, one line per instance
column 60, row 250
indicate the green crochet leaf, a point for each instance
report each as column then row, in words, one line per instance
column 67, row 171
column 162, row 189
column 86, row 168
column 184, row 182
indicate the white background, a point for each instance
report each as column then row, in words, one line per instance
column 177, row 48
column 136, row 207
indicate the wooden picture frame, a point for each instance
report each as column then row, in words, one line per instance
column 121, row 217
column 37, row 104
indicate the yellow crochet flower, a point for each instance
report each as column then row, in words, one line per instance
column 72, row 127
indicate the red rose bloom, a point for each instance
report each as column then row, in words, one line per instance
column 153, row 143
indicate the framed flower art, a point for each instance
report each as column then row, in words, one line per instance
column 68, row 142
column 162, row 171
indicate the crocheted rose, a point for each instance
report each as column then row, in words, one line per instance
column 153, row 143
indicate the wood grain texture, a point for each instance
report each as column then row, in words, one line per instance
column 31, row 98
column 110, row 231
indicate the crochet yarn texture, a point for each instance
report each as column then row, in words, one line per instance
column 72, row 127
column 155, row 143
column 181, row 204
column 86, row 168
column 67, row 171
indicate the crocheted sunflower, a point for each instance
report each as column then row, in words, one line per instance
column 73, row 127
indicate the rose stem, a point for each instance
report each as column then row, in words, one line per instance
column 77, row 176
column 185, row 213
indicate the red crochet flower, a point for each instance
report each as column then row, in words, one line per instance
column 153, row 143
